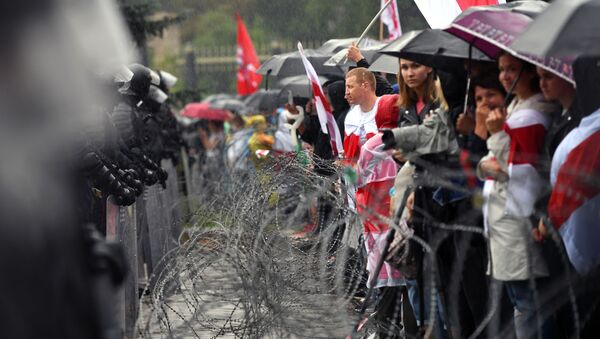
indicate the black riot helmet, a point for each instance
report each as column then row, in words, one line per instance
column 141, row 80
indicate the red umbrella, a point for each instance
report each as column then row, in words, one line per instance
column 202, row 110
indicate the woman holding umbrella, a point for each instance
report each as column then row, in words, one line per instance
column 512, row 186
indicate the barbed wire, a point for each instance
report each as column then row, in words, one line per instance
column 255, row 265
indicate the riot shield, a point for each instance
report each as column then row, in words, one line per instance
column 121, row 228
column 145, row 267
column 173, row 204
column 185, row 162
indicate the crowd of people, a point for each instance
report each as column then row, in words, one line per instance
column 473, row 185
column 462, row 204
column 469, row 198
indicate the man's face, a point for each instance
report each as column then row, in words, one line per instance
column 355, row 92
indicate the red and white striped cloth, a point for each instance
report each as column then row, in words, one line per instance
column 526, row 128
column 262, row 153
column 440, row 13
column 326, row 118
column 391, row 19
column 574, row 206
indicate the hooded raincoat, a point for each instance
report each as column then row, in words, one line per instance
column 376, row 171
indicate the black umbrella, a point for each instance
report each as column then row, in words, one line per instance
column 434, row 48
column 566, row 28
column 289, row 64
column 264, row 101
column 298, row 85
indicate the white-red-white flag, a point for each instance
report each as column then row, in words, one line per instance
column 326, row 118
column 391, row 19
column 526, row 128
column 574, row 206
column 440, row 13
column 247, row 78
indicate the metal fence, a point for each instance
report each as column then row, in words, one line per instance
column 215, row 67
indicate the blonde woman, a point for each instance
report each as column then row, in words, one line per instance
column 425, row 132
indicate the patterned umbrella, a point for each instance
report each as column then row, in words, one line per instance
column 493, row 29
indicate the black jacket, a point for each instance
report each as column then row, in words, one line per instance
column 320, row 141
column 562, row 124
column 409, row 116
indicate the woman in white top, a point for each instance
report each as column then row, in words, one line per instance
column 512, row 185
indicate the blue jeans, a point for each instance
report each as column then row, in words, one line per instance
column 525, row 310
column 413, row 296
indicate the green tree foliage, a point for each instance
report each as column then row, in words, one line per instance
column 137, row 16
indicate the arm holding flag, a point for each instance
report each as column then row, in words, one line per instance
column 354, row 54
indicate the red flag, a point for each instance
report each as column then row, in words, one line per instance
column 247, row 78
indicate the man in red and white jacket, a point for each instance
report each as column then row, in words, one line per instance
column 360, row 123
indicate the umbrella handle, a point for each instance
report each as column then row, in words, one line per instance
column 466, row 105
column 468, row 80
column 512, row 88
column 267, row 79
